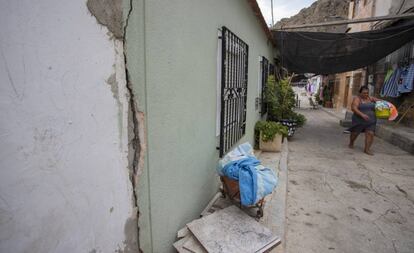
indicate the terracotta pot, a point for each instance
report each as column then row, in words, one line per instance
column 271, row 146
column 328, row 104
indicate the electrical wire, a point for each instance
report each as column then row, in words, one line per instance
column 403, row 2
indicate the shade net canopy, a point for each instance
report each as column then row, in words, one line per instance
column 329, row 53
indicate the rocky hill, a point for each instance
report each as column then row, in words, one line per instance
column 319, row 11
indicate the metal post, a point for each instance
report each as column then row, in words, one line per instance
column 223, row 81
column 271, row 4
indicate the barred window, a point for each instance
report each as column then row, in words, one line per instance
column 234, row 64
column 272, row 69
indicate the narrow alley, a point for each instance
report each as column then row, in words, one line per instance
column 153, row 126
column 341, row 200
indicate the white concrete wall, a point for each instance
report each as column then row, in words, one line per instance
column 382, row 7
column 64, row 183
column 362, row 10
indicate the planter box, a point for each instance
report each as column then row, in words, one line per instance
column 271, row 146
column 328, row 104
column 290, row 124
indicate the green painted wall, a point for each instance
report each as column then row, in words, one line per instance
column 172, row 61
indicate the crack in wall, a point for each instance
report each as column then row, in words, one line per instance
column 136, row 146
column 109, row 13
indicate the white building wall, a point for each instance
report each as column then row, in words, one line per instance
column 64, row 183
column 382, row 7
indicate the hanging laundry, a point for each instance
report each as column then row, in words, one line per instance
column 405, row 82
column 390, row 87
column 309, row 87
column 313, row 88
column 388, row 75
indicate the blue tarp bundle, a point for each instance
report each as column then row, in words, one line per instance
column 255, row 180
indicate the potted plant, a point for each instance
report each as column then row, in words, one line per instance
column 280, row 98
column 327, row 99
column 318, row 97
column 271, row 135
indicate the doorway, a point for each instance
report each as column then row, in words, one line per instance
column 347, row 84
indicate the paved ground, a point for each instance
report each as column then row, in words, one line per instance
column 341, row 200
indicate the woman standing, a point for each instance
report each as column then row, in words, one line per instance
column 363, row 119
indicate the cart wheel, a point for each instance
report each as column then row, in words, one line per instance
column 223, row 193
column 260, row 213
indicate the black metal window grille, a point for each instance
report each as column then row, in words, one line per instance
column 272, row 69
column 265, row 74
column 234, row 65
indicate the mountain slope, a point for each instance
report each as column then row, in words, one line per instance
column 319, row 11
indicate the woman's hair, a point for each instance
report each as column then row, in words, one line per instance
column 363, row 88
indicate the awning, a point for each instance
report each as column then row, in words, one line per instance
column 329, row 53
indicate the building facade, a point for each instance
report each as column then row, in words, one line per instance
column 348, row 84
column 175, row 64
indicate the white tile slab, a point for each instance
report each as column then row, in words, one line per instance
column 194, row 246
column 178, row 245
column 183, row 232
column 231, row 230
column 269, row 246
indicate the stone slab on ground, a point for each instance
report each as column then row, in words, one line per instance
column 231, row 230
column 275, row 203
column 178, row 245
column 183, row 232
column 193, row 245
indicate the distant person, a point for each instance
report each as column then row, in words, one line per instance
column 363, row 119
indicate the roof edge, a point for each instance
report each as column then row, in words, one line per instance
column 258, row 13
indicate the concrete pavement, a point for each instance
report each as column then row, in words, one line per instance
column 275, row 206
column 341, row 200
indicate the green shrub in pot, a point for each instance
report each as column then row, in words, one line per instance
column 270, row 135
column 280, row 99
column 269, row 129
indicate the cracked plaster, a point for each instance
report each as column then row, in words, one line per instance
column 108, row 13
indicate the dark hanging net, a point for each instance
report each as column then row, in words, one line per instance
column 329, row 53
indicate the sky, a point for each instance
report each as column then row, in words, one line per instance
column 282, row 8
